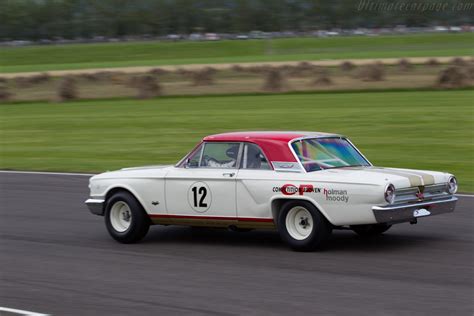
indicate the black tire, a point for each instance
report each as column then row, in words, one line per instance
column 371, row 230
column 320, row 231
column 139, row 220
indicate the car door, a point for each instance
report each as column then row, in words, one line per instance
column 205, row 186
column 255, row 182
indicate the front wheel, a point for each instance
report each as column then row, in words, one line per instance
column 370, row 230
column 302, row 226
column 125, row 218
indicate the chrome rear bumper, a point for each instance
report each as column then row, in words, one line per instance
column 96, row 206
column 409, row 212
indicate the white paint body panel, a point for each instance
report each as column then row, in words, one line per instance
column 344, row 196
column 219, row 199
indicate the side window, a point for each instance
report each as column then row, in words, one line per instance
column 254, row 158
column 193, row 160
column 220, row 155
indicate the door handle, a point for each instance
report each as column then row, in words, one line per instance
column 228, row 174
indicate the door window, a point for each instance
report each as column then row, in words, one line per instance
column 220, row 155
column 253, row 158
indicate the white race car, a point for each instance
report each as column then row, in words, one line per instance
column 304, row 184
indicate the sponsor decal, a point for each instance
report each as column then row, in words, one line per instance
column 290, row 189
column 332, row 195
column 336, row 195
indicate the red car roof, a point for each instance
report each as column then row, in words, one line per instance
column 274, row 144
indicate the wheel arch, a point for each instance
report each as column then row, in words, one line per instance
column 122, row 188
column 278, row 202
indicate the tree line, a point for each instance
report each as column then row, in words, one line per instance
column 46, row 19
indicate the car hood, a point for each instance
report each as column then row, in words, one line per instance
column 135, row 172
column 400, row 178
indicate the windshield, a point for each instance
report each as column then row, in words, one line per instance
column 327, row 153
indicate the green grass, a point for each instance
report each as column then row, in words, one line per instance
column 423, row 130
column 82, row 56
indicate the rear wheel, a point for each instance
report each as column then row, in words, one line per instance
column 125, row 219
column 302, row 226
column 370, row 230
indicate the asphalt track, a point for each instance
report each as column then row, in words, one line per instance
column 57, row 258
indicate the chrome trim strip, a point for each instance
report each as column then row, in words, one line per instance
column 412, row 205
column 286, row 166
column 96, row 206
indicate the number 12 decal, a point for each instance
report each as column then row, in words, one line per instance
column 202, row 191
column 199, row 197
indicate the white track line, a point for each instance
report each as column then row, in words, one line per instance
column 49, row 173
column 21, row 312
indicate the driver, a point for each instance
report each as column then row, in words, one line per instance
column 232, row 153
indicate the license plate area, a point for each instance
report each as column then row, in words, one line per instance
column 421, row 212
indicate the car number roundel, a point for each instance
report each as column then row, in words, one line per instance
column 199, row 197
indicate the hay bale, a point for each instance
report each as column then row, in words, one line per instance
column 36, row 79
column 347, row 66
column 93, row 77
column 203, row 77
column 183, row 72
column 372, row 72
column 452, row 77
column 260, row 69
column 458, row 61
column 104, row 75
column 147, row 86
column 405, row 65
column 322, row 80
column 303, row 68
column 237, row 68
column 432, row 62
column 22, row 82
column 158, row 72
column 274, row 81
column 470, row 71
column 67, row 89
column 304, row 65
column 118, row 77
column 5, row 95
column 289, row 70
column 319, row 70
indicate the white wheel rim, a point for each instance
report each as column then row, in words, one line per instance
column 299, row 223
column 120, row 216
